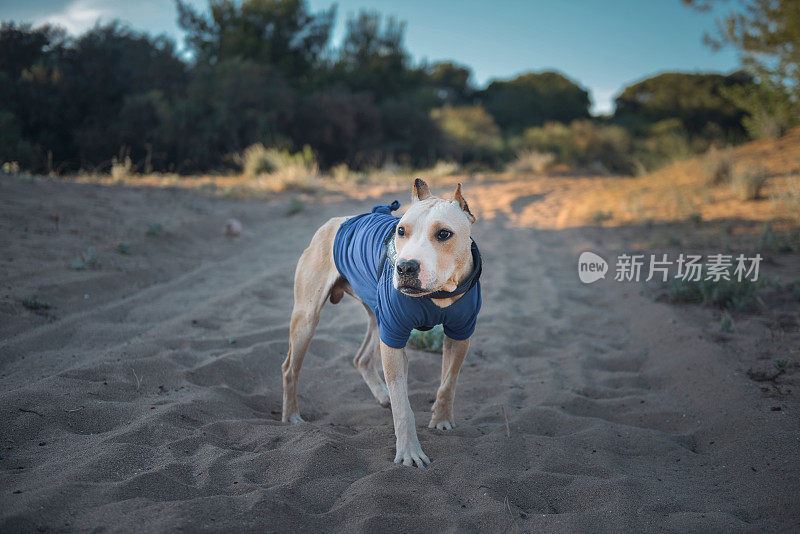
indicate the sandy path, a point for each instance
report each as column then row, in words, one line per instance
column 159, row 409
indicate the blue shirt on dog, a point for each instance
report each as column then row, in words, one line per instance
column 358, row 252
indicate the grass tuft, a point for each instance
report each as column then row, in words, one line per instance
column 87, row 260
column 35, row 304
column 296, row 205
column 430, row 340
column 599, row 216
column 728, row 294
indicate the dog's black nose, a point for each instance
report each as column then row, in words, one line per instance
column 408, row 267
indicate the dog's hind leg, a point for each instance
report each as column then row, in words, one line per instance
column 314, row 278
column 367, row 359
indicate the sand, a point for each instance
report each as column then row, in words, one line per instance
column 147, row 396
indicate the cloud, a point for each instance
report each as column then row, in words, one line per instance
column 78, row 15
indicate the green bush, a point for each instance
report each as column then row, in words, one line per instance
column 471, row 131
column 662, row 143
column 584, row 144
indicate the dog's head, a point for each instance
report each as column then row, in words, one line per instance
column 432, row 241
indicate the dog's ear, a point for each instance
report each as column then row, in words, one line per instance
column 463, row 203
column 420, row 191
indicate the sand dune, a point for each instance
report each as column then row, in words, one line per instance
column 147, row 397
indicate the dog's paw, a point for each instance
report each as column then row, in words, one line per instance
column 441, row 423
column 445, row 424
column 295, row 419
column 411, row 454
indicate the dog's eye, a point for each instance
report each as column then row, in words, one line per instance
column 401, row 232
column 443, row 235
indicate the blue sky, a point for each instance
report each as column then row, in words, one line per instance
column 603, row 45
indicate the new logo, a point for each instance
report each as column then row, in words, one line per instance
column 591, row 267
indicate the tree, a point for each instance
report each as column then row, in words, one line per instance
column 100, row 70
column 373, row 57
column 534, row 98
column 279, row 33
column 228, row 106
column 699, row 101
column 451, row 82
column 767, row 32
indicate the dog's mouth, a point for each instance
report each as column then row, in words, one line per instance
column 408, row 290
column 410, row 286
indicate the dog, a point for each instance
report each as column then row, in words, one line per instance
column 417, row 271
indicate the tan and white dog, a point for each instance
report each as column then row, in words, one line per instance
column 433, row 254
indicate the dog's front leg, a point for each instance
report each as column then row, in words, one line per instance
column 395, row 369
column 453, row 355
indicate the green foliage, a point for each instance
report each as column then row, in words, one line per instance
column 533, row 99
column 770, row 108
column 228, row 106
column 87, row 260
column 279, row 33
column 373, row 58
column 451, row 82
column 660, row 144
column 584, row 144
column 429, row 340
column 697, row 101
column 471, row 131
column 729, row 294
column 263, row 72
column 746, row 183
column 767, row 32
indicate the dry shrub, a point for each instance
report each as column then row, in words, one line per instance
column 718, row 166
column 121, row 168
column 258, row 159
column 532, row 161
column 747, row 182
column 343, row 174
column 442, row 169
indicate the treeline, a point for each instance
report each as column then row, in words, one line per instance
column 264, row 72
